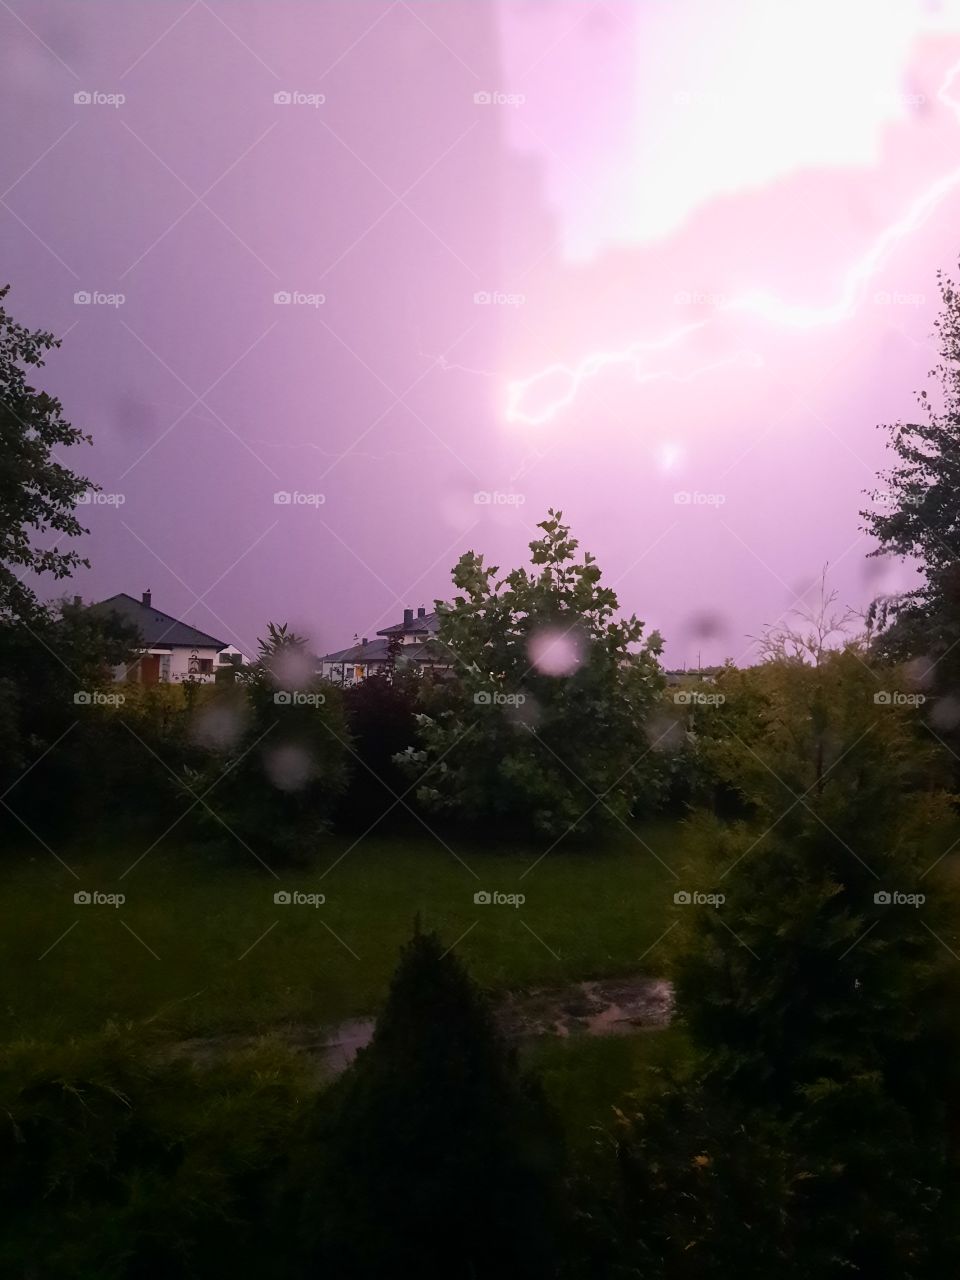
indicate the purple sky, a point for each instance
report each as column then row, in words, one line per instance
column 708, row 236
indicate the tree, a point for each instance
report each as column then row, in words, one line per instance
column 381, row 713
column 919, row 514
column 816, row 971
column 437, row 1156
column 38, row 494
column 544, row 723
column 65, row 651
column 277, row 751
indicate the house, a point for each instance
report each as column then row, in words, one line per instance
column 410, row 644
column 172, row 651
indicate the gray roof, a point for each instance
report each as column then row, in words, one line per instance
column 379, row 651
column 429, row 623
column 372, row 651
column 157, row 630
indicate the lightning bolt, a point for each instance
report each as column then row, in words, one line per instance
column 540, row 397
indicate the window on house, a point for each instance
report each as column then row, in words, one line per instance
column 205, row 666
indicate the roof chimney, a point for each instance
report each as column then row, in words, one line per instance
column 148, row 598
column 408, row 618
column 421, row 612
column 364, row 640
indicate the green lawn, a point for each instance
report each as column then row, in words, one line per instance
column 200, row 946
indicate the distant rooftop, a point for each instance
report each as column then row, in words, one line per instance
column 158, row 630
column 413, row 624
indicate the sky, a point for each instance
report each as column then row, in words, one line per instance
column 350, row 287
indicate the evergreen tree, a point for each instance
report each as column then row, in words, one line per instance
column 438, row 1157
column 817, row 990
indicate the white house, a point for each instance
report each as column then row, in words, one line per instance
column 410, row 644
column 172, row 651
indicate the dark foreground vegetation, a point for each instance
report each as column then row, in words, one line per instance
column 800, row 1119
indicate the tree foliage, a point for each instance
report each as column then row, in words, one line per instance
column 545, row 720
column 815, row 974
column 277, row 752
column 38, row 493
column 917, row 512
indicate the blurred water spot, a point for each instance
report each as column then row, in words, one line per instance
column 556, row 651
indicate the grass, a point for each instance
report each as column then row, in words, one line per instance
column 200, row 947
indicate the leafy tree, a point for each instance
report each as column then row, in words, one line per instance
column 277, row 751
column 38, row 494
column 919, row 512
column 437, row 1157
column 546, row 721
column 820, row 1009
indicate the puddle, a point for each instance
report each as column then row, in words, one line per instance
column 602, row 1007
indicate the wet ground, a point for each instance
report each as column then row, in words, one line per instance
column 601, row 1007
